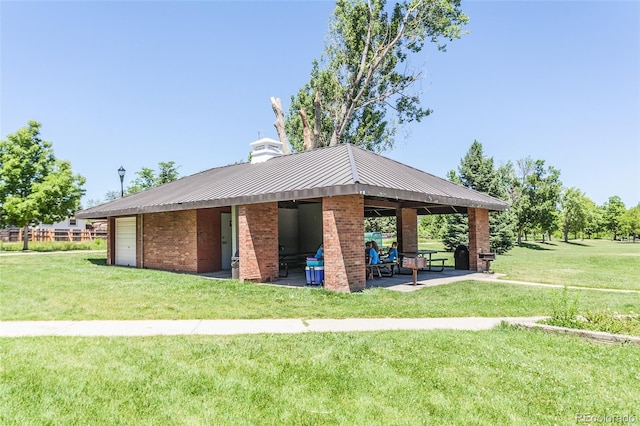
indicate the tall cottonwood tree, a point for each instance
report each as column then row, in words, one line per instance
column 35, row 187
column 365, row 73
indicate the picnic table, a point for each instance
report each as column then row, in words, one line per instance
column 292, row 258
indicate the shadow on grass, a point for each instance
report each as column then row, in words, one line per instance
column 532, row 246
column 573, row 243
column 97, row 261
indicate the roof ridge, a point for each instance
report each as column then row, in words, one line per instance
column 352, row 162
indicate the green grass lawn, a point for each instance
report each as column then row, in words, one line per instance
column 74, row 286
column 41, row 246
column 502, row 376
column 499, row 377
column 587, row 263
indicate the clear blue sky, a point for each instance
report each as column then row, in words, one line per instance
column 133, row 83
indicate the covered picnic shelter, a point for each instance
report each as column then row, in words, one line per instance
column 285, row 203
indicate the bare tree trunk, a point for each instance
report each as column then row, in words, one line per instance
column 25, row 237
column 317, row 115
column 306, row 131
column 276, row 104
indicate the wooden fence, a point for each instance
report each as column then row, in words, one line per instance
column 14, row 235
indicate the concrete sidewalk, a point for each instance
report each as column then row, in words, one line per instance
column 255, row 326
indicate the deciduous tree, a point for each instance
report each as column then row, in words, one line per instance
column 365, row 71
column 614, row 208
column 630, row 222
column 148, row 178
column 35, row 187
column 539, row 195
column 574, row 207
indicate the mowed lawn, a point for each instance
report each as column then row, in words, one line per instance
column 502, row 376
column 76, row 286
column 587, row 263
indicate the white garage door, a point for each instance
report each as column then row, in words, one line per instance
column 126, row 241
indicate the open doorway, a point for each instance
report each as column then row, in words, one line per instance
column 225, row 237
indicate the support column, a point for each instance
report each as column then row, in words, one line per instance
column 478, row 237
column 343, row 237
column 407, row 227
column 258, row 240
column 111, row 241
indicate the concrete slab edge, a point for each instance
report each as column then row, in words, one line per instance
column 596, row 336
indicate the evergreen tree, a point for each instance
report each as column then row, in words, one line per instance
column 456, row 229
column 476, row 171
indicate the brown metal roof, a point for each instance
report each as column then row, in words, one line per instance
column 339, row 170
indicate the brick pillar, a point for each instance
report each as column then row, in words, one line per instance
column 407, row 228
column 478, row 237
column 111, row 241
column 258, row 241
column 139, row 241
column 343, row 238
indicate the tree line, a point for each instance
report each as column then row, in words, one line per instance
column 540, row 205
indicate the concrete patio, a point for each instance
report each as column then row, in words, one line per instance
column 398, row 282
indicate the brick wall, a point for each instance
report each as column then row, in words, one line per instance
column 407, row 224
column 170, row 241
column 478, row 237
column 258, row 241
column 343, row 238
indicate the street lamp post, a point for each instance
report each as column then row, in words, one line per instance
column 121, row 171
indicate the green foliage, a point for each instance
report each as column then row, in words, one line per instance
column 432, row 227
column 96, row 244
column 536, row 197
column 35, row 187
column 574, row 207
column 565, row 309
column 614, row 208
column 147, row 178
column 477, row 171
column 363, row 73
column 386, row 225
column 566, row 314
column 594, row 223
column 610, row 322
column 630, row 222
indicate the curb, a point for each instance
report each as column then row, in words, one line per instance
column 596, row 336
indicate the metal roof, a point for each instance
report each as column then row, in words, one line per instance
column 309, row 175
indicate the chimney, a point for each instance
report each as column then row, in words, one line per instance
column 264, row 149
